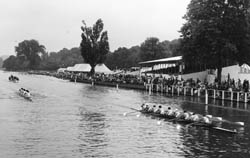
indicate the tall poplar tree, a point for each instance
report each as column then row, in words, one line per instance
column 94, row 45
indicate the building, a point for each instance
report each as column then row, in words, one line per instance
column 172, row 65
column 175, row 66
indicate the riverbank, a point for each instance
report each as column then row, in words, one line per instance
column 200, row 92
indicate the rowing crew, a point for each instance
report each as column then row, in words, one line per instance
column 175, row 113
column 24, row 92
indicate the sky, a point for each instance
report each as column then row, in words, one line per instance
column 56, row 23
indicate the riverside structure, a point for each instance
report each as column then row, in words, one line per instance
column 171, row 86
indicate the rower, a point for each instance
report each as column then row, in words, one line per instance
column 184, row 115
column 152, row 109
column 194, row 117
column 205, row 120
column 187, row 115
column 177, row 114
column 27, row 94
column 169, row 111
column 158, row 111
column 24, row 92
column 162, row 111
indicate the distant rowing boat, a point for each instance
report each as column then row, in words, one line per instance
column 13, row 79
column 188, row 122
column 25, row 95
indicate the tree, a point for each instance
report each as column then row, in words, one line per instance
column 94, row 45
column 151, row 49
column 31, row 51
column 63, row 58
column 123, row 58
column 10, row 63
column 216, row 33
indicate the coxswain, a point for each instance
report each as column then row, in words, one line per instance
column 21, row 90
column 143, row 106
column 146, row 107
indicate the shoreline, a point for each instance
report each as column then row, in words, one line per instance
column 233, row 96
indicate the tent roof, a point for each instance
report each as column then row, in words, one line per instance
column 245, row 66
column 61, row 69
column 102, row 68
column 70, row 68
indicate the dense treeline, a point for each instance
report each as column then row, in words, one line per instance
column 28, row 56
column 63, row 58
column 32, row 56
column 122, row 58
column 150, row 49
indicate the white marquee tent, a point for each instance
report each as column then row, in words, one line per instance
column 245, row 66
column 61, row 70
column 102, row 68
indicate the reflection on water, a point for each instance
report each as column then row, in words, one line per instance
column 79, row 120
column 92, row 134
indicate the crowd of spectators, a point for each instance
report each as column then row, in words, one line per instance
column 228, row 85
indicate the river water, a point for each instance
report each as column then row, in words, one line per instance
column 75, row 120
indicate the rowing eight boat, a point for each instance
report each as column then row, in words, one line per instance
column 188, row 122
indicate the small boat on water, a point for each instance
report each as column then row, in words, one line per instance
column 25, row 94
column 172, row 118
column 13, row 79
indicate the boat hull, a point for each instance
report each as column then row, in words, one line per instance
column 25, row 96
column 189, row 122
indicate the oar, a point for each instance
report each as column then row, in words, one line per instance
column 221, row 120
column 135, row 109
column 170, row 120
column 126, row 113
column 235, row 123
column 226, row 130
column 193, row 123
column 216, row 118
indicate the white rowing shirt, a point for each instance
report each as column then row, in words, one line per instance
column 186, row 116
column 206, row 120
column 194, row 117
column 162, row 111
